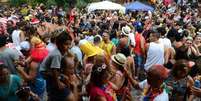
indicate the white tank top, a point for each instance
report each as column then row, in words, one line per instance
column 16, row 37
column 155, row 55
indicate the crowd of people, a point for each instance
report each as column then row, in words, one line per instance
column 49, row 54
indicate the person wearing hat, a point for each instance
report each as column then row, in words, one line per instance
column 87, row 48
column 127, row 31
column 125, row 41
column 153, row 87
column 37, row 53
column 90, row 53
column 156, row 52
column 118, row 61
column 119, row 80
column 179, row 80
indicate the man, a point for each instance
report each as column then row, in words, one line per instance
column 153, row 86
column 107, row 45
column 139, row 50
column 18, row 35
column 8, row 56
column 51, row 67
column 77, row 51
column 156, row 52
column 168, row 46
column 51, row 45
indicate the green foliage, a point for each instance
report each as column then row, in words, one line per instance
column 48, row 3
column 81, row 3
column 17, row 2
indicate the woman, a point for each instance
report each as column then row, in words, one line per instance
column 186, row 50
column 197, row 42
column 191, row 51
column 9, row 84
column 179, row 81
column 99, row 87
column 119, row 80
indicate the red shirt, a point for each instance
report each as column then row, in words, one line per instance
column 137, row 49
column 95, row 91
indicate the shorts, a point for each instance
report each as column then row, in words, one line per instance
column 55, row 94
column 139, row 61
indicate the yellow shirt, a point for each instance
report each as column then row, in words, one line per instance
column 107, row 47
column 99, row 50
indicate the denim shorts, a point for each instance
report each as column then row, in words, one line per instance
column 139, row 61
column 55, row 94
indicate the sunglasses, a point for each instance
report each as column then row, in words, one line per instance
column 189, row 43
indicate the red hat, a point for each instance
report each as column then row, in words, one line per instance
column 34, row 21
column 38, row 54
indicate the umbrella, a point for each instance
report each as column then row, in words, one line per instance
column 105, row 5
column 138, row 6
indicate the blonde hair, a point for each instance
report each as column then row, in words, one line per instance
column 36, row 40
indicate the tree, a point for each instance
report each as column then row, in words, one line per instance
column 62, row 3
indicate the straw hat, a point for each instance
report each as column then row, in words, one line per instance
column 119, row 59
column 87, row 48
column 126, row 30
